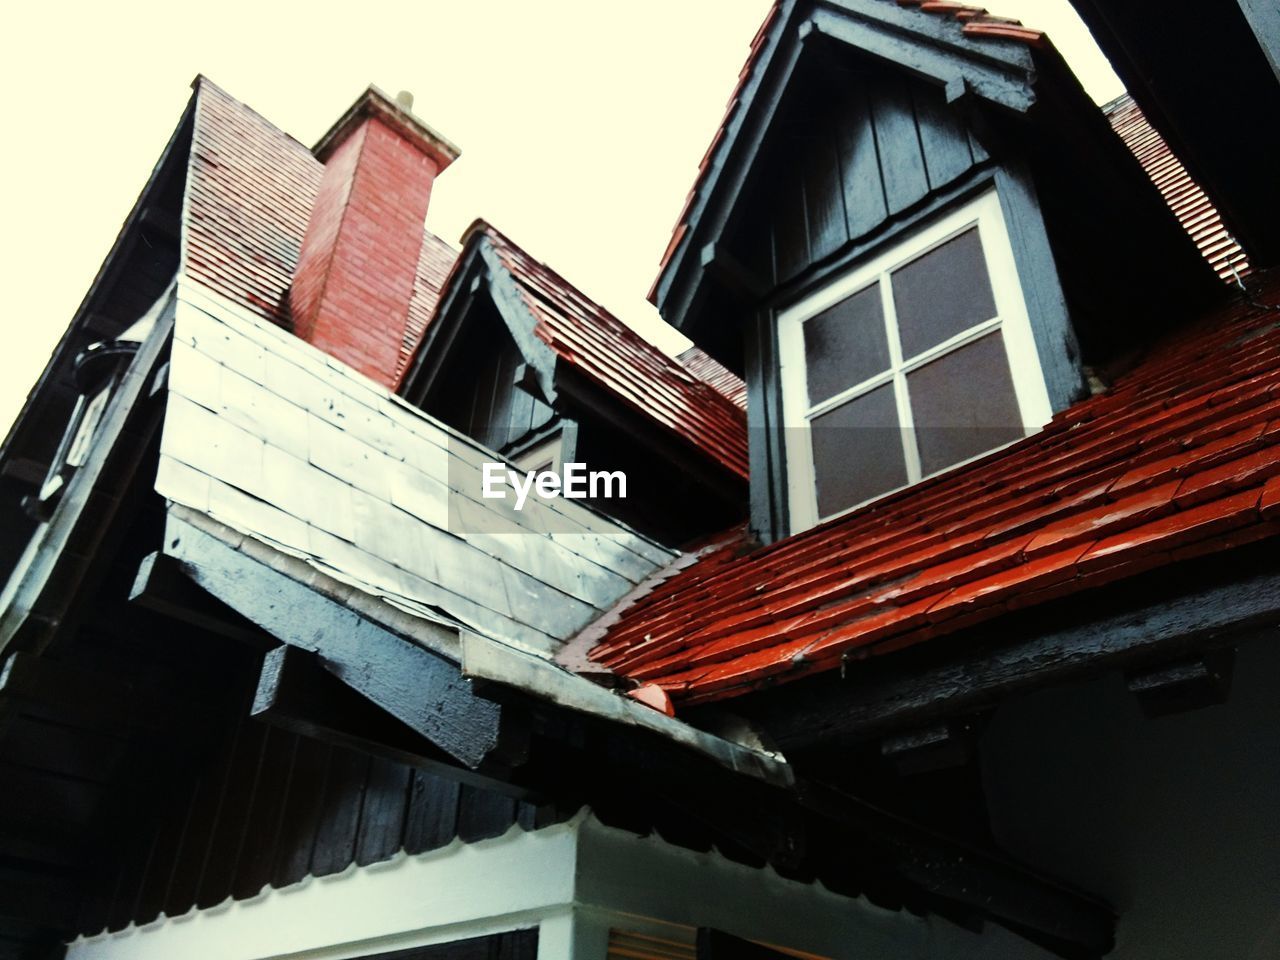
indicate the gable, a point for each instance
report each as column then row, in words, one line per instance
column 860, row 145
column 134, row 275
column 569, row 342
column 1023, row 117
column 480, row 392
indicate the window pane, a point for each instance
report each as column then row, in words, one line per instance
column 942, row 293
column 963, row 404
column 857, row 451
column 845, row 344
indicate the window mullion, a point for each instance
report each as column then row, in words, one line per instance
column 906, row 423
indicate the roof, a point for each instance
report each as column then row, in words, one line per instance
column 250, row 192
column 1181, row 457
column 976, row 22
column 250, row 196
column 591, row 339
column 1184, row 196
column 267, row 435
column 710, row 370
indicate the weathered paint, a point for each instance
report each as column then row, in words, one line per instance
column 266, row 434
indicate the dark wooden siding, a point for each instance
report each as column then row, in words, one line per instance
column 259, row 806
column 479, row 395
column 858, row 148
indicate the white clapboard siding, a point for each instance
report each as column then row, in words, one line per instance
column 272, row 437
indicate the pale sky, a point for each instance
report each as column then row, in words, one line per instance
column 581, row 122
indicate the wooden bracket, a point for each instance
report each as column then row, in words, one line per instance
column 1185, row 684
column 161, row 587
column 296, row 692
column 939, row 746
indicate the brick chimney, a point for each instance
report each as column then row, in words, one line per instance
column 359, row 258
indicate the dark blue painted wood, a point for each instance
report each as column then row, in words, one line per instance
column 418, row 687
column 880, row 148
column 824, row 196
column 335, row 841
column 943, row 137
column 898, row 139
column 863, row 200
column 1046, row 303
column 790, row 228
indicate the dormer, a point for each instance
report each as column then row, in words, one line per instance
column 918, row 240
column 521, row 361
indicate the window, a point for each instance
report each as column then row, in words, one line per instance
column 915, row 361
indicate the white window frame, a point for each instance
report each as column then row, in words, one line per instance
column 1011, row 320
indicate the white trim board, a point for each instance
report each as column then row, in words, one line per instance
column 1011, row 320
column 574, row 880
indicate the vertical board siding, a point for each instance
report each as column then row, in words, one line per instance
column 269, row 807
column 486, row 404
column 877, row 145
column 902, row 163
column 824, row 196
column 864, row 201
column 790, row 227
column 944, row 141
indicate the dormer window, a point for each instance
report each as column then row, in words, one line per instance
column 913, row 362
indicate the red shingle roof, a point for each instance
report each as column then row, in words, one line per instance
column 1184, row 196
column 250, row 191
column 1180, row 458
column 707, row 368
column 586, row 335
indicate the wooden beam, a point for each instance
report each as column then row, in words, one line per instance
column 419, row 687
column 1074, row 923
column 1201, row 681
column 938, row 746
column 161, row 587
column 296, row 692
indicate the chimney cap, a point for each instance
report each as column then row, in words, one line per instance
column 396, row 114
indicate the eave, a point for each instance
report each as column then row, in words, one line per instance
column 1222, row 117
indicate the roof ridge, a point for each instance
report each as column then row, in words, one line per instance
column 975, row 22
column 623, row 326
column 201, row 81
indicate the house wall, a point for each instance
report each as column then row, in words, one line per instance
column 267, row 435
column 246, row 806
column 1173, row 820
column 860, row 148
column 478, row 395
column 575, row 881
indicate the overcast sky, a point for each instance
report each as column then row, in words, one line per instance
column 581, row 122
